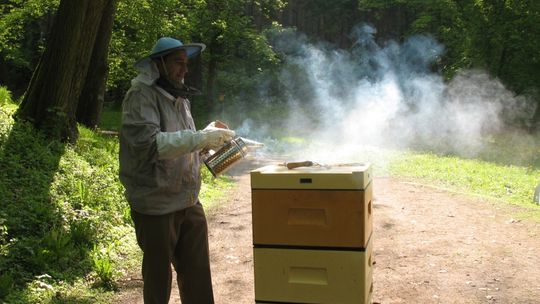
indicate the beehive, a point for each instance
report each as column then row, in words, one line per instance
column 312, row 230
column 313, row 276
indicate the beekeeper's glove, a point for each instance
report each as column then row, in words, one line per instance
column 217, row 125
column 174, row 144
column 215, row 138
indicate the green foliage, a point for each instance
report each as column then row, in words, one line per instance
column 5, row 96
column 137, row 26
column 505, row 33
column 104, row 266
column 110, row 119
column 19, row 21
column 499, row 36
column 212, row 188
column 55, row 248
column 24, row 27
column 221, row 25
column 58, row 203
column 43, row 289
column 6, row 284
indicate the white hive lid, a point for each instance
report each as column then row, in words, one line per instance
column 333, row 177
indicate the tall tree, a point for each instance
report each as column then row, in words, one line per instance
column 23, row 27
column 53, row 93
column 93, row 94
column 228, row 33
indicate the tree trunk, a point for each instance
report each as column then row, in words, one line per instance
column 93, row 94
column 53, row 93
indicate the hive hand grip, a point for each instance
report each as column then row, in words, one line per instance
column 293, row 165
column 308, row 275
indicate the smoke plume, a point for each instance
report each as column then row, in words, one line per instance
column 387, row 96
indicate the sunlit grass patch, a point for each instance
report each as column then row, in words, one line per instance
column 213, row 188
column 513, row 184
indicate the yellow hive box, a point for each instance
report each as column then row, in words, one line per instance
column 312, row 206
column 340, row 177
column 312, row 217
column 313, row 276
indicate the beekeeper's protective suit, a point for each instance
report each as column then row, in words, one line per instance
column 159, row 168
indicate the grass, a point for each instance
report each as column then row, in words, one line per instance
column 110, row 119
column 508, row 183
column 61, row 206
column 212, row 189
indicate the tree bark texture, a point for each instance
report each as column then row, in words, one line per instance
column 92, row 96
column 53, row 93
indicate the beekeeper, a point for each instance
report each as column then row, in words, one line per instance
column 159, row 168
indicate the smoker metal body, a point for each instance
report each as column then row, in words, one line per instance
column 312, row 234
column 224, row 158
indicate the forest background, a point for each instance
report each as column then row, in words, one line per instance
column 499, row 37
column 64, row 224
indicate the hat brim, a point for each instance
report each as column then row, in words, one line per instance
column 192, row 49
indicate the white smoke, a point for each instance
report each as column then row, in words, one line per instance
column 389, row 96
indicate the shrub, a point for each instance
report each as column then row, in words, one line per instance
column 5, row 96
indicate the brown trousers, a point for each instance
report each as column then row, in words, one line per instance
column 180, row 238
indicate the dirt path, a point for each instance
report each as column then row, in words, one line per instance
column 430, row 246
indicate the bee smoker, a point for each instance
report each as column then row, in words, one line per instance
column 226, row 156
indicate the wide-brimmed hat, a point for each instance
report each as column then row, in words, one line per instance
column 165, row 45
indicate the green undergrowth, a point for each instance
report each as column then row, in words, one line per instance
column 66, row 235
column 212, row 189
column 110, row 118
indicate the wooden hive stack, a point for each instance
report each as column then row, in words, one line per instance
column 312, row 230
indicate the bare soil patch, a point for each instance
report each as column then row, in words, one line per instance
column 430, row 246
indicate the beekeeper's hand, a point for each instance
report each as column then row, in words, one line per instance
column 174, row 144
column 214, row 138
